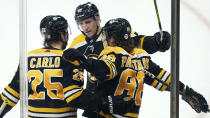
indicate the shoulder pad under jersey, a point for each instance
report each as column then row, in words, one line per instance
column 78, row 41
column 139, row 52
column 42, row 51
column 115, row 49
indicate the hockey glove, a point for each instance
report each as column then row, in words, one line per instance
column 195, row 100
column 76, row 58
column 165, row 43
column 120, row 104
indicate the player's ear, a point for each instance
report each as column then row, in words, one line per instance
column 98, row 20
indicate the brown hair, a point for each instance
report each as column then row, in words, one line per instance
column 126, row 44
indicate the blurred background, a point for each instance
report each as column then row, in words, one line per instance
column 194, row 42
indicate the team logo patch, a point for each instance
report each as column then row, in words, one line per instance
column 126, row 36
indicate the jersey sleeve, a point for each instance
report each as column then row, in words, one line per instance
column 74, row 93
column 10, row 95
column 162, row 79
column 148, row 43
column 105, row 68
column 109, row 62
column 161, row 75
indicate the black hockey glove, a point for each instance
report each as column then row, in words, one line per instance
column 120, row 104
column 195, row 100
column 75, row 57
column 166, row 41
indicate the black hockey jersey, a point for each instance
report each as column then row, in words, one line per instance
column 93, row 47
column 45, row 91
column 121, row 73
column 127, row 74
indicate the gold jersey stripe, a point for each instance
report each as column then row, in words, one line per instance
column 141, row 42
column 75, row 62
column 69, row 99
column 167, row 82
column 135, row 115
column 112, row 68
column 12, row 104
column 154, row 83
column 93, row 55
column 41, row 50
column 13, row 92
column 105, row 115
column 66, row 117
column 161, row 73
column 70, row 88
column 54, row 110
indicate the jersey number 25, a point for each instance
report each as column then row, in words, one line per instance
column 45, row 77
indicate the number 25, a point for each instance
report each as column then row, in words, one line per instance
column 46, row 78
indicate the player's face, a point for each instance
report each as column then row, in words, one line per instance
column 111, row 41
column 88, row 26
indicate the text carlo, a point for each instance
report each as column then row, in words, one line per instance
column 44, row 62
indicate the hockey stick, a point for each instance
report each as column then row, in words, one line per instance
column 154, row 77
column 159, row 23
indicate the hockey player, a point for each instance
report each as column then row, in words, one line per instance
column 76, row 96
column 123, row 69
column 92, row 40
column 45, row 91
column 45, row 76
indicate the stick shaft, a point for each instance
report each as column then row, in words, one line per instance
column 158, row 17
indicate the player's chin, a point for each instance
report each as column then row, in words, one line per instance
column 89, row 34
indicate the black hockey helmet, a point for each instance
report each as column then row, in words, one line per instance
column 51, row 26
column 86, row 10
column 120, row 28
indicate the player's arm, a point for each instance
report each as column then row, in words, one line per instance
column 102, row 70
column 10, row 95
column 161, row 80
column 153, row 43
column 155, row 76
column 76, row 96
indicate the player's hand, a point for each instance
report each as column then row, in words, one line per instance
column 165, row 43
column 120, row 104
column 195, row 100
column 74, row 56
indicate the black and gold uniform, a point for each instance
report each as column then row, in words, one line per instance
column 119, row 73
column 119, row 70
column 93, row 47
column 45, row 91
